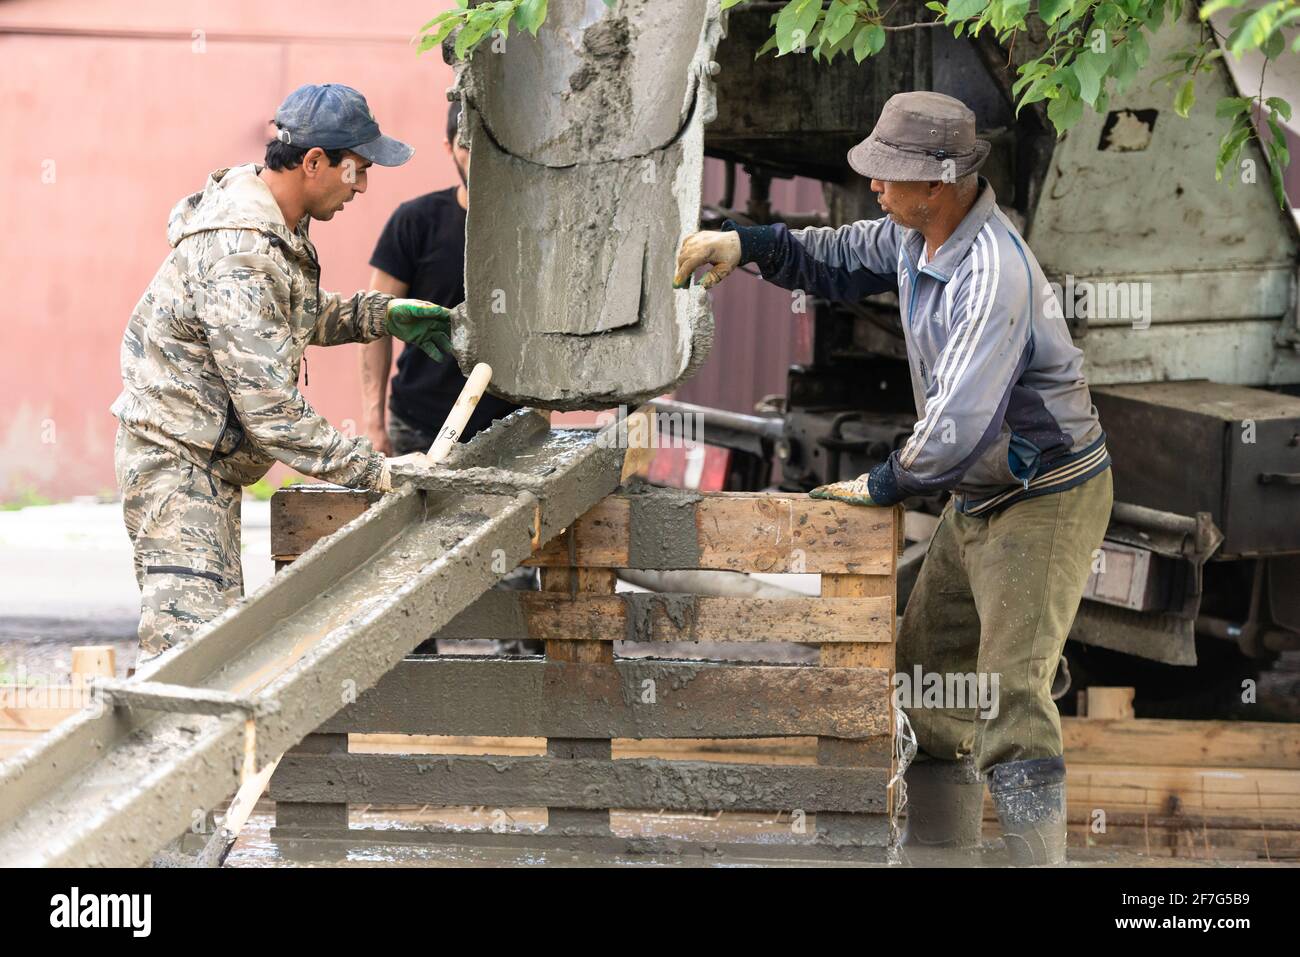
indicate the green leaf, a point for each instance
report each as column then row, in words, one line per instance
column 1214, row 6
column 438, row 19
column 1254, row 31
column 1064, row 112
column 1274, row 45
column 1277, row 105
column 840, row 17
column 794, row 24
column 1029, row 73
column 1231, row 106
column 1012, row 13
column 1141, row 50
column 530, row 15
column 964, row 9
column 728, row 4
column 435, row 38
column 1090, row 67
column 769, row 45
column 1124, row 68
column 1042, row 88
column 1185, row 98
column 1230, row 146
column 473, row 32
column 869, row 41
column 935, row 6
column 1050, row 10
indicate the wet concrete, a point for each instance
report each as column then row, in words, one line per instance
column 367, row 848
column 663, row 532
column 587, row 154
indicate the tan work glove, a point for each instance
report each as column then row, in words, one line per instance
column 417, row 459
column 719, row 250
column 853, row 492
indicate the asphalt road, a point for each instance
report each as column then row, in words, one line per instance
column 66, row 580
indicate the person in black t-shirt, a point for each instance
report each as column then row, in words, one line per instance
column 421, row 255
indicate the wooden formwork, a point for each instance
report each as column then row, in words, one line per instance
column 579, row 695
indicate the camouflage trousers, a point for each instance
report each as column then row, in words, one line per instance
column 184, row 527
column 995, row 600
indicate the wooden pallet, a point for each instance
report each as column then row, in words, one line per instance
column 579, row 696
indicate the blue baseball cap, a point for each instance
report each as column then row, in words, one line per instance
column 333, row 116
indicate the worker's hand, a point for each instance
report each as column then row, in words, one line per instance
column 852, row 493
column 422, row 324
column 418, row 460
column 720, row 251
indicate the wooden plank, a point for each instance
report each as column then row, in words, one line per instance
column 1262, row 794
column 862, row 654
column 735, row 750
column 501, row 781
column 737, row 531
column 570, row 585
column 879, row 751
column 1142, row 742
column 650, row 616
column 42, row 707
column 1205, row 744
column 1097, row 703
column 312, row 814
column 1192, row 843
column 632, row 698
column 643, row 847
column 98, row 660
column 303, row 514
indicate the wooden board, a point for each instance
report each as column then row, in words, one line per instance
column 1225, row 745
column 664, row 617
column 631, row 698
column 747, row 532
column 301, row 516
column 737, row 531
column 501, row 781
column 1205, row 744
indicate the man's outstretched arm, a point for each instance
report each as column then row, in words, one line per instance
column 845, row 263
column 247, row 324
column 376, row 365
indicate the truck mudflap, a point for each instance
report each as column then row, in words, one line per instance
column 1144, row 594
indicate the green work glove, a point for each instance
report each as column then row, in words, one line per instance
column 422, row 324
column 852, row 493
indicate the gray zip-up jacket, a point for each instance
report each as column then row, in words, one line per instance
column 1003, row 410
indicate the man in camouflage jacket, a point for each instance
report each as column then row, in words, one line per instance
column 212, row 355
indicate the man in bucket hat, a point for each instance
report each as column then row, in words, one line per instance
column 214, row 350
column 1005, row 421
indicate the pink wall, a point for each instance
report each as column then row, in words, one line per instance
column 114, row 110
column 122, row 108
column 756, row 328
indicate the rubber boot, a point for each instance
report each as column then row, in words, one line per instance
column 945, row 803
column 1030, row 801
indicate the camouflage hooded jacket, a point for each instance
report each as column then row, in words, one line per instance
column 211, row 354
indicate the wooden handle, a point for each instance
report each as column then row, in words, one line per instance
column 458, row 418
